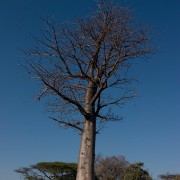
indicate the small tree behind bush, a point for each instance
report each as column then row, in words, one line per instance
column 135, row 172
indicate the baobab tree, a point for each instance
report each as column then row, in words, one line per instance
column 80, row 63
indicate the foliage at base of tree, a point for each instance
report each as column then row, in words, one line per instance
column 106, row 168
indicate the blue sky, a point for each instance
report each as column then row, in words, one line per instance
column 150, row 131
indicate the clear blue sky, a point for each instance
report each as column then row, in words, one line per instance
column 150, row 131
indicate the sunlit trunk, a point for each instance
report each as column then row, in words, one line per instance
column 87, row 149
column 87, row 152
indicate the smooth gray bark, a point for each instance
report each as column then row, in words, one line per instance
column 87, row 149
column 87, row 152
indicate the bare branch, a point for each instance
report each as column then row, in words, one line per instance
column 81, row 109
column 68, row 124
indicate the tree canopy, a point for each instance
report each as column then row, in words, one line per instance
column 49, row 171
column 94, row 53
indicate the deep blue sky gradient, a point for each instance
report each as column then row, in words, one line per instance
column 150, row 131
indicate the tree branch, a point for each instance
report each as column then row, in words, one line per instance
column 68, row 124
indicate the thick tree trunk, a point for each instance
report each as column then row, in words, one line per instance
column 87, row 152
column 87, row 149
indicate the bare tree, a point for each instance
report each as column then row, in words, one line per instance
column 80, row 63
column 110, row 167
